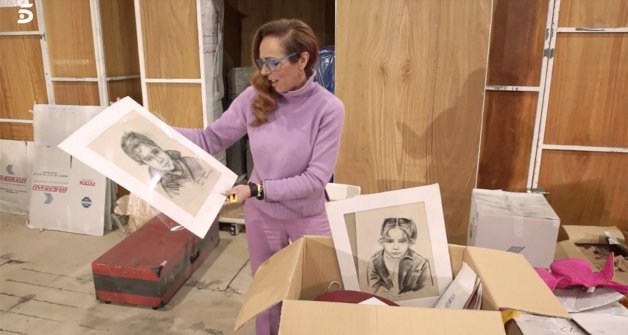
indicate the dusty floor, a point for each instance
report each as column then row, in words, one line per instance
column 46, row 287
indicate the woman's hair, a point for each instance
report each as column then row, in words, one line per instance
column 131, row 141
column 406, row 225
column 296, row 36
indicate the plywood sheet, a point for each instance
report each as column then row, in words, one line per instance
column 70, row 40
column 517, row 37
column 10, row 15
column 412, row 82
column 587, row 188
column 76, row 93
column 598, row 13
column 170, row 38
column 507, row 140
column 16, row 131
column 178, row 104
column 119, row 89
column 119, row 38
column 22, row 81
column 588, row 100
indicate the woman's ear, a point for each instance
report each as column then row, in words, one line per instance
column 304, row 58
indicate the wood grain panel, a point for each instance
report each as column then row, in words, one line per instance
column 598, row 13
column 517, row 37
column 413, row 102
column 76, row 93
column 588, row 100
column 123, row 88
column 70, row 40
column 587, row 188
column 507, row 140
column 119, row 38
column 22, row 79
column 10, row 15
column 16, row 131
column 318, row 14
column 170, row 38
column 178, row 104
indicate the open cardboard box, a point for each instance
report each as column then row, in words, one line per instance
column 305, row 269
column 569, row 236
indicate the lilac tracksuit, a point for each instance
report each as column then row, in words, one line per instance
column 294, row 154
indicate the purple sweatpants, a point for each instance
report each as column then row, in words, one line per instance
column 265, row 236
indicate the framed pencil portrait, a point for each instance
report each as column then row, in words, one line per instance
column 143, row 154
column 393, row 244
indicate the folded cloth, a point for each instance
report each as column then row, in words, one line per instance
column 573, row 271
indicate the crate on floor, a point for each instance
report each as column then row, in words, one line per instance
column 149, row 266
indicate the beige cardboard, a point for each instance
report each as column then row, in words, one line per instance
column 306, row 269
column 568, row 249
column 508, row 282
column 591, row 234
column 569, row 236
column 306, row 317
column 280, row 277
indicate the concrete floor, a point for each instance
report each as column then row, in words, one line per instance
column 46, row 287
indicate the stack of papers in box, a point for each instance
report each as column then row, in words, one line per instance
column 596, row 312
column 464, row 292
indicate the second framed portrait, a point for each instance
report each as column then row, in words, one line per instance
column 393, row 244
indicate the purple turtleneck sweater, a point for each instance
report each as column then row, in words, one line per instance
column 294, row 153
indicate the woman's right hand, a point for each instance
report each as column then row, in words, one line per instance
column 237, row 195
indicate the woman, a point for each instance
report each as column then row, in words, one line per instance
column 294, row 127
column 397, row 269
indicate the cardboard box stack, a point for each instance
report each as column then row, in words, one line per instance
column 524, row 223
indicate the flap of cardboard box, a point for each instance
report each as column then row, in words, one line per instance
column 284, row 276
column 590, row 234
column 509, row 282
column 315, row 317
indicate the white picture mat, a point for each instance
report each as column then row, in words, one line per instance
column 128, row 174
column 430, row 196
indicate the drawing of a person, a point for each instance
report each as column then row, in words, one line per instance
column 166, row 167
column 397, row 268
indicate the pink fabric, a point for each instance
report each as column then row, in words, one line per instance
column 573, row 271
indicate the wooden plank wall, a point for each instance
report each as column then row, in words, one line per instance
column 587, row 106
column 71, row 51
column 171, row 51
column 515, row 56
column 21, row 75
column 120, row 47
column 412, row 75
column 71, row 55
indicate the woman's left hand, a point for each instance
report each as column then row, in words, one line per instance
column 237, row 194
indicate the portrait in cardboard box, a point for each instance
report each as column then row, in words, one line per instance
column 393, row 244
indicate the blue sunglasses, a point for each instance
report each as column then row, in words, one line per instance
column 272, row 63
